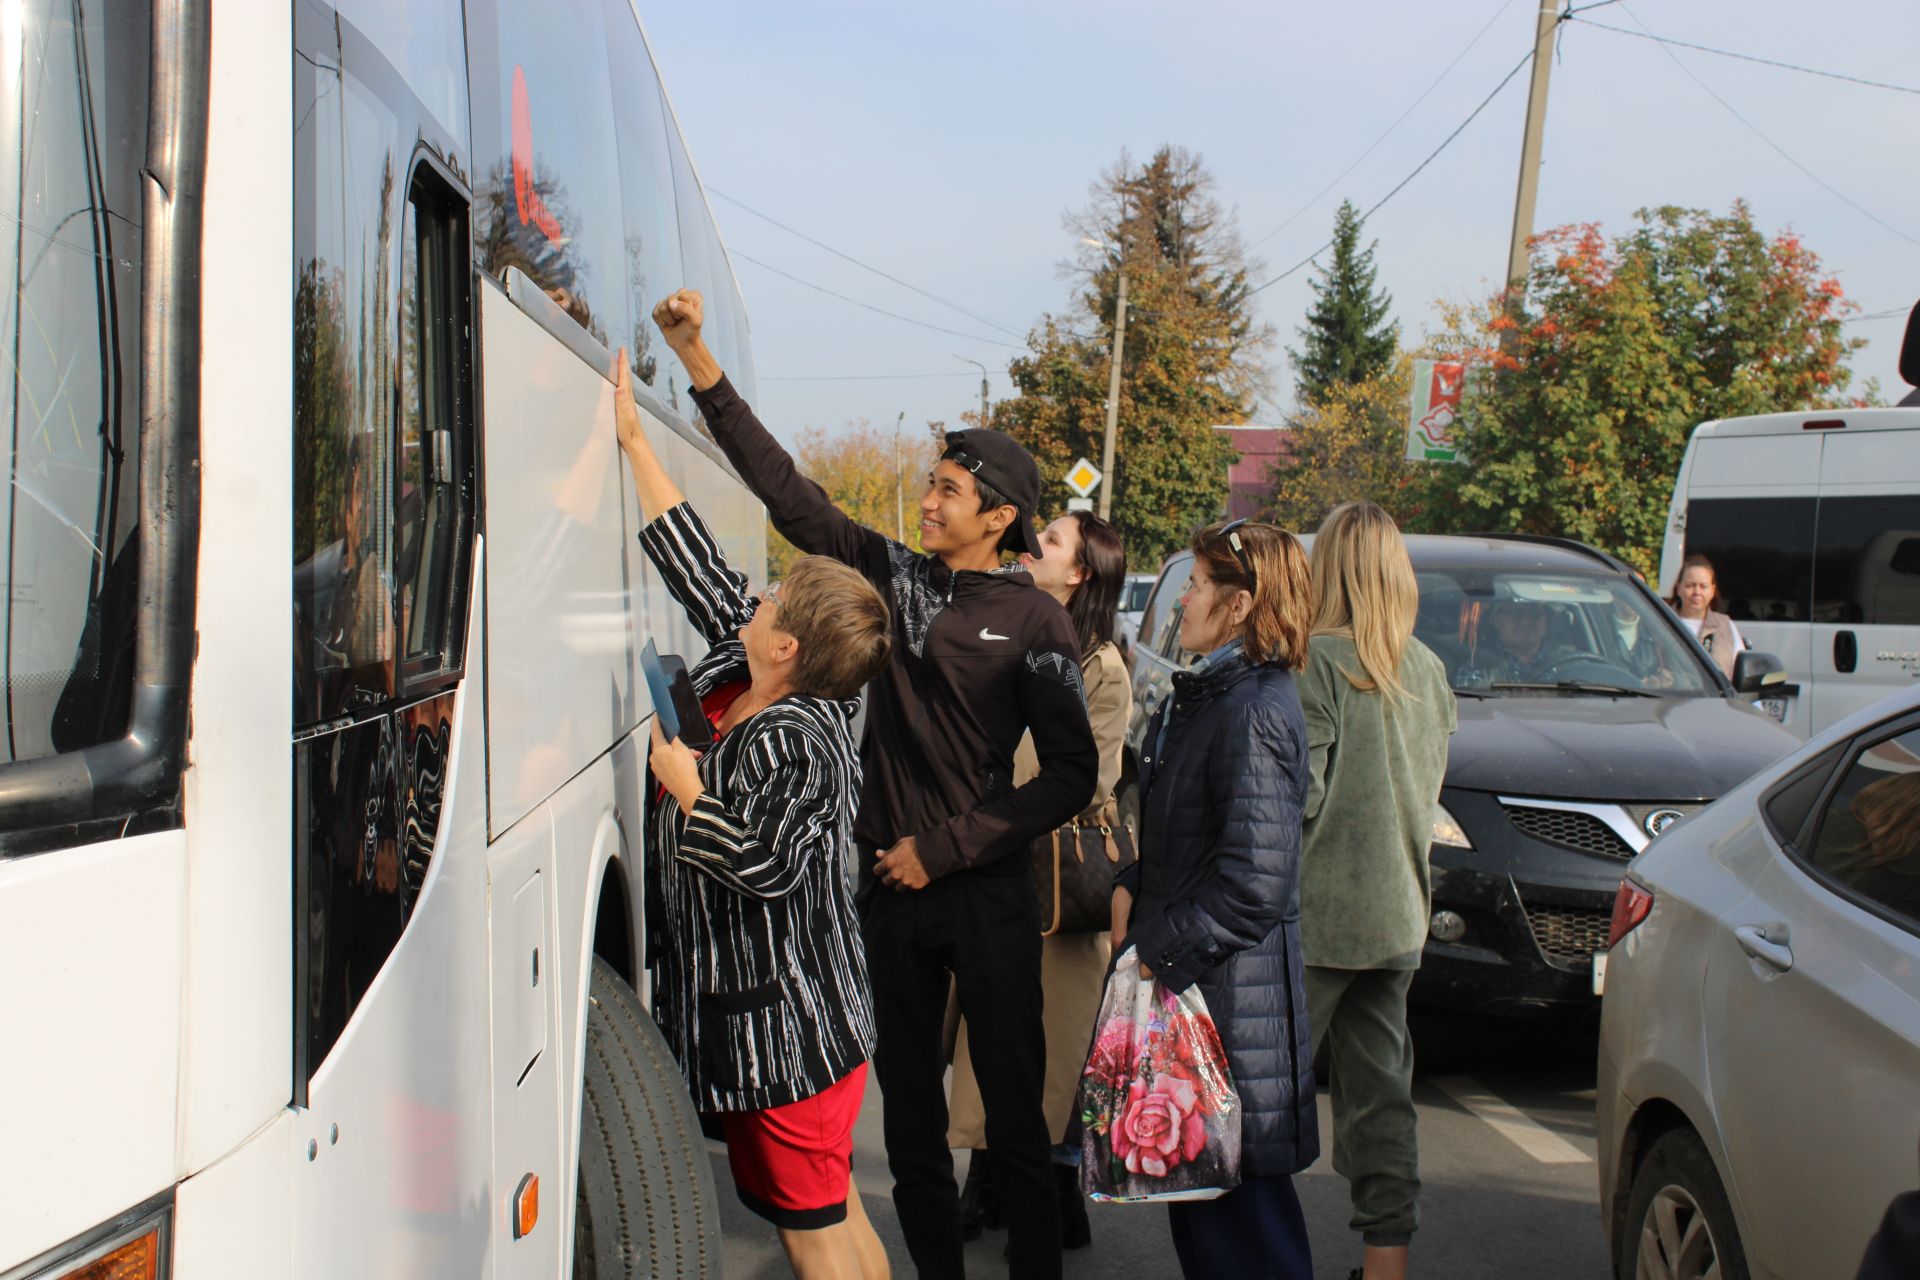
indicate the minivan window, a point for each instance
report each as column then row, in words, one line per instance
column 547, row 186
column 1762, row 553
column 76, row 120
column 1867, row 560
column 1552, row 631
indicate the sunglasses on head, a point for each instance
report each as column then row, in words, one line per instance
column 1231, row 532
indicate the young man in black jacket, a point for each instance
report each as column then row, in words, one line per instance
column 979, row 658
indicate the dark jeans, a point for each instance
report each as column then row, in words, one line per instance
column 984, row 931
column 1254, row 1232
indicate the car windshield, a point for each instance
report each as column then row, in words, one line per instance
column 1534, row 632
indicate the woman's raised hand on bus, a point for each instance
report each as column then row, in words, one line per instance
column 679, row 316
column 656, row 491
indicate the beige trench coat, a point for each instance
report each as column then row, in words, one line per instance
column 1073, row 967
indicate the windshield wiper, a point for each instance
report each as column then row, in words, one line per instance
column 1470, row 693
column 1580, row 686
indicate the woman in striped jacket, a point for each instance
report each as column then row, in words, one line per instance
column 759, row 976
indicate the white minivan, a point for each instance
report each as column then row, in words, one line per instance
column 1812, row 522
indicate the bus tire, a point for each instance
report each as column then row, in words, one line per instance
column 646, row 1205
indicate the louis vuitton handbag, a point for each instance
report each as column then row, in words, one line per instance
column 1073, row 870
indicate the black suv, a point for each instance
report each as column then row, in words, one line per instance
column 1589, row 721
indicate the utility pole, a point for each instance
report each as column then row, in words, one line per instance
column 983, row 384
column 899, row 485
column 1113, row 390
column 1518, row 258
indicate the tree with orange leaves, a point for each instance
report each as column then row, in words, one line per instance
column 1592, row 382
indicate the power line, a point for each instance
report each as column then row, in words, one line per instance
column 1504, row 6
column 1875, row 315
column 866, row 377
column 818, row 244
column 1431, row 157
column 1743, row 57
column 1755, row 130
column 868, row 306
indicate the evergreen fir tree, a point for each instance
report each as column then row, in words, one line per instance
column 1348, row 336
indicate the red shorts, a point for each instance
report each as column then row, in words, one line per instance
column 791, row 1165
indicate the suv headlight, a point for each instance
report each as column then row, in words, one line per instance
column 1447, row 829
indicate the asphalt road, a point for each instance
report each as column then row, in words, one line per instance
column 1506, row 1153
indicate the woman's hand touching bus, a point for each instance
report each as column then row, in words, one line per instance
column 657, row 492
column 679, row 316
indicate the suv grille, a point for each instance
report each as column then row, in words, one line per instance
column 1569, row 829
column 1570, row 935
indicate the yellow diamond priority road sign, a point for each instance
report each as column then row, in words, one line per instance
column 1083, row 477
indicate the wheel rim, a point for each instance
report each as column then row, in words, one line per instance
column 1675, row 1241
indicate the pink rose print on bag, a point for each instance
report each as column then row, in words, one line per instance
column 1159, row 1115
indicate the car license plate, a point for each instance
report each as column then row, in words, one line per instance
column 1775, row 707
column 1599, row 973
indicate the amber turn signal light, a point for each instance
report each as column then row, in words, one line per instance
column 526, row 1206
column 137, row 1259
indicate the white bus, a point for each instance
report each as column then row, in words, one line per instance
column 321, row 873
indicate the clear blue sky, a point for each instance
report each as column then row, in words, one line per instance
column 943, row 144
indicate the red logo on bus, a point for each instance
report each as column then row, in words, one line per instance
column 526, row 196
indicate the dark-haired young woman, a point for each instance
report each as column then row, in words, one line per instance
column 1214, row 901
column 1082, row 566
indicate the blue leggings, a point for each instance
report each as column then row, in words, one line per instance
column 1254, row 1232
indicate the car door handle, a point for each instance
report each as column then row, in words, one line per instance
column 1846, row 651
column 1754, row 941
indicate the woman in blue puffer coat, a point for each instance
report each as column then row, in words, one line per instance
column 1214, row 900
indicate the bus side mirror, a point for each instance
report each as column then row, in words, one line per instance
column 1754, row 671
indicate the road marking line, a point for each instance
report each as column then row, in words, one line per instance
column 1542, row 1143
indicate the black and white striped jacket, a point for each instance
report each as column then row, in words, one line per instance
column 759, row 974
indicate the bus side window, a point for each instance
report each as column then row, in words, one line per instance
column 649, row 220
column 436, row 490
column 546, row 195
column 1867, row 569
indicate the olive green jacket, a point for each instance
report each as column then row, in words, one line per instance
column 1375, row 773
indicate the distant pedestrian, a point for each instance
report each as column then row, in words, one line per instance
column 979, row 660
column 1378, row 711
column 759, row 983
column 1696, row 595
column 1084, row 567
column 1214, row 901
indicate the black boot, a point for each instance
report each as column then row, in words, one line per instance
column 1075, row 1231
column 979, row 1205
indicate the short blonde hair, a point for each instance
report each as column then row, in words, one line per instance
column 1276, row 629
column 841, row 624
column 1364, row 589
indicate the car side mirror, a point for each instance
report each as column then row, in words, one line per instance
column 1754, row 671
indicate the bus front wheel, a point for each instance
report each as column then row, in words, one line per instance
column 646, row 1205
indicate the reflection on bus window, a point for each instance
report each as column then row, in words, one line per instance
column 646, row 193
column 73, row 108
column 548, row 187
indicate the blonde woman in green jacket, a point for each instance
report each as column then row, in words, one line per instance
column 1379, row 710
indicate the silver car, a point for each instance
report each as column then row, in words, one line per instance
column 1759, row 1073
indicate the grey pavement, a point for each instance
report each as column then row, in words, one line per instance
column 1507, row 1143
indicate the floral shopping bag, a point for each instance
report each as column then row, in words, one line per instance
column 1159, row 1116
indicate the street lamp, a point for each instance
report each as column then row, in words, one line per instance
column 1119, row 259
column 983, row 385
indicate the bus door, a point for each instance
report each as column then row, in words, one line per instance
column 1865, row 641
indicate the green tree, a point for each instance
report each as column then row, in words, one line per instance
column 1349, row 337
column 856, row 466
column 1591, row 386
column 1192, row 358
column 1350, row 446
